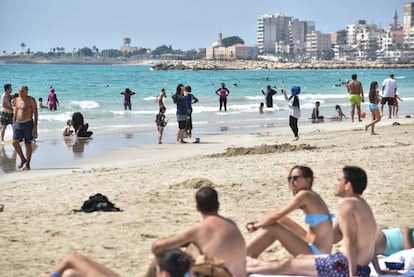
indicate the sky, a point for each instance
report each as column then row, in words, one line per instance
column 183, row 24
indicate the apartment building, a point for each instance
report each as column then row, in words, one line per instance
column 272, row 30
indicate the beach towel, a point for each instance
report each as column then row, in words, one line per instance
column 381, row 261
column 98, row 202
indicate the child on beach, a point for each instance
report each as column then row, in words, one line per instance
column 339, row 114
column 261, row 107
column 395, row 105
column 374, row 100
column 161, row 123
column 41, row 106
column 67, row 131
column 315, row 113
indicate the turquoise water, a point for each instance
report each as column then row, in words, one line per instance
column 95, row 90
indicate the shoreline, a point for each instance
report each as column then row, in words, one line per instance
column 263, row 64
column 83, row 155
column 155, row 184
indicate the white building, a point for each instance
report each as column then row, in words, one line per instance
column 272, row 29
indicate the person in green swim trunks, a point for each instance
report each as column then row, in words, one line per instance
column 356, row 96
column 391, row 240
column 296, row 240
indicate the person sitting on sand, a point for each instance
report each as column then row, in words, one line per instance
column 67, row 131
column 214, row 236
column 315, row 113
column 81, row 128
column 389, row 241
column 355, row 225
column 169, row 263
column 339, row 114
column 277, row 226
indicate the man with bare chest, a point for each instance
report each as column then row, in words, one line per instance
column 25, row 119
column 356, row 96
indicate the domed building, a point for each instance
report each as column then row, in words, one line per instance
column 235, row 52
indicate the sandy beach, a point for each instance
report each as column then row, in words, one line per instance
column 154, row 185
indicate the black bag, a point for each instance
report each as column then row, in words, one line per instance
column 98, row 202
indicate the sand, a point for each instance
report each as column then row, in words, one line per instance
column 155, row 186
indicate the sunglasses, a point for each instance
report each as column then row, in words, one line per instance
column 295, row 177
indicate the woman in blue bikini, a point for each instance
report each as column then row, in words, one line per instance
column 374, row 100
column 277, row 226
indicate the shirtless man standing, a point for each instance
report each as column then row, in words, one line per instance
column 356, row 96
column 355, row 225
column 215, row 236
column 25, row 125
column 6, row 110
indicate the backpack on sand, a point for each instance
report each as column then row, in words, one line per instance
column 98, row 202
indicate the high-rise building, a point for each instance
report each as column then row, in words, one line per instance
column 408, row 17
column 272, row 30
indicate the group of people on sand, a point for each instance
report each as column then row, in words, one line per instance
column 20, row 112
column 388, row 96
column 311, row 250
column 184, row 99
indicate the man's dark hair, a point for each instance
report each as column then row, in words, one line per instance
column 175, row 262
column 7, row 86
column 354, row 76
column 357, row 177
column 207, row 200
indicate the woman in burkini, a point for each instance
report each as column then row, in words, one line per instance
column 277, row 226
column 374, row 100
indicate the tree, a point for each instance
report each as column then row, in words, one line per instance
column 229, row 41
column 112, row 53
column 161, row 50
column 85, row 52
column 22, row 45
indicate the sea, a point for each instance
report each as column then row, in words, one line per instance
column 94, row 90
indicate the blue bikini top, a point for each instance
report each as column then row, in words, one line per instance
column 315, row 219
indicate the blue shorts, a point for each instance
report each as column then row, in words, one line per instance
column 373, row 106
column 336, row 265
column 6, row 118
column 23, row 130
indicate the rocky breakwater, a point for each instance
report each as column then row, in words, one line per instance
column 262, row 64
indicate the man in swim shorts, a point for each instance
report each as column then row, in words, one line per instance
column 355, row 225
column 356, row 96
column 6, row 110
column 25, row 125
column 389, row 89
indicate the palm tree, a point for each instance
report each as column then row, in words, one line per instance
column 22, row 45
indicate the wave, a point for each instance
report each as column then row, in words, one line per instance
column 84, row 105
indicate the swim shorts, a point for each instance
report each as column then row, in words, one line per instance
column 336, row 265
column 373, row 106
column 23, row 130
column 355, row 99
column 333, row 265
column 182, row 124
column 6, row 118
column 389, row 100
